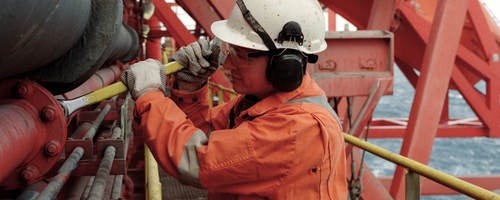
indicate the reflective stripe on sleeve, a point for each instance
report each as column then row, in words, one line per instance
column 321, row 101
column 189, row 168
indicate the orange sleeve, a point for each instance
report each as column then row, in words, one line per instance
column 194, row 104
column 165, row 128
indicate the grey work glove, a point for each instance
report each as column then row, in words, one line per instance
column 200, row 60
column 144, row 76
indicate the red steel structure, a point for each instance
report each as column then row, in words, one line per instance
column 438, row 45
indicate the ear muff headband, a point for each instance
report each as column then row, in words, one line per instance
column 285, row 67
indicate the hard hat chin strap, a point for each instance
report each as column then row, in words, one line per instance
column 255, row 25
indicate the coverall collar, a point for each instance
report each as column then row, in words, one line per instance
column 307, row 88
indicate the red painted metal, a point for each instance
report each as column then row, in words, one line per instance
column 15, row 138
column 341, row 73
column 101, row 78
column 33, row 130
column 381, row 14
column 420, row 50
column 202, row 11
column 453, row 128
column 411, row 25
column 223, row 7
column 432, row 87
column 153, row 44
column 332, row 20
column 366, row 73
column 179, row 32
column 470, row 64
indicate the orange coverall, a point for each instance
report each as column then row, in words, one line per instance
column 277, row 149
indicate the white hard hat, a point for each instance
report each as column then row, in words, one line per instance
column 272, row 15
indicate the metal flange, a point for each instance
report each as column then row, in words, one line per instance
column 34, row 133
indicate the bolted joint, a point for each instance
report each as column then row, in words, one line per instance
column 48, row 113
column 23, row 90
column 52, row 148
column 29, row 173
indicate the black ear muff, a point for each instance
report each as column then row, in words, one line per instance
column 285, row 70
column 286, row 67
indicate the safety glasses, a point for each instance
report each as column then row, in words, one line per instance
column 242, row 53
column 246, row 54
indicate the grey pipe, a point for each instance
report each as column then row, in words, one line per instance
column 35, row 32
column 61, row 43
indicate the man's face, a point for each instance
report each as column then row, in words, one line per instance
column 247, row 74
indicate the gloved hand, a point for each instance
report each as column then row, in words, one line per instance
column 144, row 76
column 200, row 60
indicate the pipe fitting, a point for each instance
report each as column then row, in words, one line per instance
column 48, row 113
column 23, row 90
column 33, row 129
column 29, row 173
column 52, row 148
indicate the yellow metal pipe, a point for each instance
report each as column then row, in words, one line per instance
column 424, row 170
column 153, row 184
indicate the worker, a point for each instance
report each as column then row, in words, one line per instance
column 278, row 139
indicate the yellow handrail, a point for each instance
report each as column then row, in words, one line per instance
column 424, row 170
column 153, row 184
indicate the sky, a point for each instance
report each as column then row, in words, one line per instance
column 494, row 7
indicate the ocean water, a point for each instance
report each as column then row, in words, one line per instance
column 457, row 156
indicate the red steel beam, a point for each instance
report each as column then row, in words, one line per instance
column 223, row 7
column 432, row 87
column 381, row 14
column 355, row 11
column 202, row 12
column 468, row 60
column 476, row 100
column 410, row 27
column 174, row 25
column 364, row 116
column 411, row 39
column 490, row 50
column 486, row 39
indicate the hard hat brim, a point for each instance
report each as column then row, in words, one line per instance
column 249, row 39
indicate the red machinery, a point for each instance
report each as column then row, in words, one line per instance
column 60, row 50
